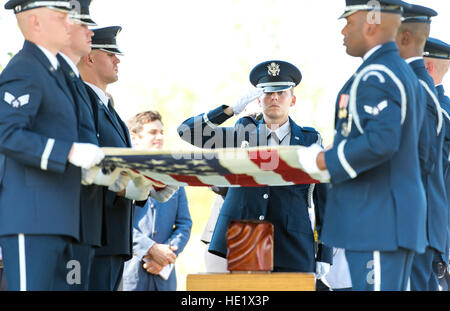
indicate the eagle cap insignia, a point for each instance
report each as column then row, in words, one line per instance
column 273, row 69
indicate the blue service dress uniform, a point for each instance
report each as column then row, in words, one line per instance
column 164, row 223
column 376, row 205
column 39, row 189
column 91, row 201
column 444, row 100
column 109, row 259
column 430, row 154
column 286, row 207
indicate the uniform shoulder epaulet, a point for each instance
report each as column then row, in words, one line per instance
column 313, row 132
column 247, row 120
column 310, row 129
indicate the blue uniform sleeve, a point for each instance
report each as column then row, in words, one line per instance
column 183, row 223
column 19, row 104
column 203, row 131
column 379, row 109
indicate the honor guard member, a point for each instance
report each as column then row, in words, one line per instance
column 286, row 207
column 411, row 39
column 437, row 61
column 91, row 195
column 99, row 69
column 376, row 208
column 41, row 176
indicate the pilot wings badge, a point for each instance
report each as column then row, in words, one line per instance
column 273, row 69
column 16, row 102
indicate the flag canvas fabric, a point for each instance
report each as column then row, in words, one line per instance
column 230, row 167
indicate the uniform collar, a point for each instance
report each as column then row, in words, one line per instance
column 371, row 51
column 51, row 58
column 413, row 59
column 387, row 47
column 282, row 131
column 71, row 64
column 102, row 95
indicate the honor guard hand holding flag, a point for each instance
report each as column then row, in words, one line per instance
column 411, row 39
column 376, row 207
column 40, row 181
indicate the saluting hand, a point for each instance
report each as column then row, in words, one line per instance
column 245, row 100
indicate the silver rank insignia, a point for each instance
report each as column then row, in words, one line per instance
column 16, row 102
column 273, row 69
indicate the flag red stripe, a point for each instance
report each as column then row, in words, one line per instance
column 269, row 160
column 242, row 180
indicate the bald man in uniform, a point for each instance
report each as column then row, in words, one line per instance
column 376, row 208
column 411, row 39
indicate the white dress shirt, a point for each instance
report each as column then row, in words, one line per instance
column 52, row 58
column 102, row 95
column 283, row 133
column 71, row 64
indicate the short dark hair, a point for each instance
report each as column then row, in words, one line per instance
column 136, row 123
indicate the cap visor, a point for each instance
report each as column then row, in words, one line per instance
column 347, row 14
column 279, row 88
column 84, row 21
column 112, row 51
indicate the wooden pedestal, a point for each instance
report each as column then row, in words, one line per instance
column 274, row 281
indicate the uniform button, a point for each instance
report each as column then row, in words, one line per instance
column 261, row 217
column 265, row 196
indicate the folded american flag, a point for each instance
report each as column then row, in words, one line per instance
column 231, row 167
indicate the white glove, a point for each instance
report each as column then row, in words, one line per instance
column 88, row 176
column 307, row 156
column 86, row 155
column 164, row 194
column 120, row 183
column 134, row 192
column 141, row 181
column 245, row 100
column 322, row 268
column 106, row 179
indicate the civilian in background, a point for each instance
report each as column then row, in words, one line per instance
column 161, row 230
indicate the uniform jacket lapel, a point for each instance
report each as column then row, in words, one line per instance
column 121, row 126
column 297, row 137
column 59, row 76
column 121, row 130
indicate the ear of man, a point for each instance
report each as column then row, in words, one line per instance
column 293, row 101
